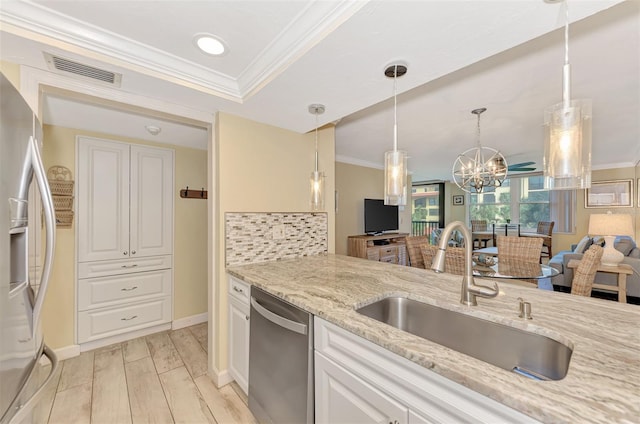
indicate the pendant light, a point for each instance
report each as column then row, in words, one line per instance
column 395, row 161
column 317, row 177
column 479, row 167
column 567, row 130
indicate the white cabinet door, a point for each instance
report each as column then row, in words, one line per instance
column 239, row 342
column 151, row 204
column 342, row 397
column 103, row 200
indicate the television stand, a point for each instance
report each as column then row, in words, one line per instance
column 388, row 247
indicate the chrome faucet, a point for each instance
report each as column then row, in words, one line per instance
column 469, row 288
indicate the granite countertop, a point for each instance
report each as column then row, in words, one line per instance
column 603, row 380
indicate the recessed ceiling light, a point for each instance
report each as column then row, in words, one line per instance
column 210, row 44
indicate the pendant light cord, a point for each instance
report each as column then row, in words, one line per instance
column 316, row 142
column 566, row 70
column 395, row 109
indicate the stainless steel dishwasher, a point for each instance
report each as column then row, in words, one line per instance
column 280, row 361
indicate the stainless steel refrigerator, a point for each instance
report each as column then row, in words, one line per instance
column 21, row 341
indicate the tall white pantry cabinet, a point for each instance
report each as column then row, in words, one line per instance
column 124, row 238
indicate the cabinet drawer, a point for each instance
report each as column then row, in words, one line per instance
column 109, row 291
column 239, row 290
column 388, row 251
column 373, row 254
column 122, row 266
column 99, row 323
column 389, row 259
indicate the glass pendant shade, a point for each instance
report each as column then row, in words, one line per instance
column 567, row 134
column 395, row 177
column 567, row 145
column 317, row 190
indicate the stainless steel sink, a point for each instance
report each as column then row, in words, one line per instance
column 525, row 353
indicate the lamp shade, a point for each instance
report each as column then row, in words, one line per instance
column 608, row 224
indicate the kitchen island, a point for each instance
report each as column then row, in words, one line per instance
column 603, row 380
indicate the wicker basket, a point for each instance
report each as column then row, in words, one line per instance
column 62, row 203
column 64, row 218
column 60, row 181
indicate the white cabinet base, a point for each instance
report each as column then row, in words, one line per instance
column 426, row 395
column 239, row 327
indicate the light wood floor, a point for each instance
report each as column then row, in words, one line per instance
column 160, row 378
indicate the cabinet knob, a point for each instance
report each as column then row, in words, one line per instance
column 125, row 253
column 133, row 252
column 246, row 317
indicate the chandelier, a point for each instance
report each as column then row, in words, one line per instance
column 479, row 167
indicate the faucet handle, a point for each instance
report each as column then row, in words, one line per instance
column 525, row 309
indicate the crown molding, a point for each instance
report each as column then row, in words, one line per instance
column 358, row 162
column 38, row 23
column 316, row 21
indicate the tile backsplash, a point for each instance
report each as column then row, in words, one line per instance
column 257, row 236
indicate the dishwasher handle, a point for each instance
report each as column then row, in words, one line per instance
column 297, row 327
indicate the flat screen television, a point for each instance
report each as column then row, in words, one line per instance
column 379, row 217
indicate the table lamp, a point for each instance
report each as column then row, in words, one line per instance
column 609, row 226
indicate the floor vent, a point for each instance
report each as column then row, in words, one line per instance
column 68, row 66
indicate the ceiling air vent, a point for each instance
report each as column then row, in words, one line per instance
column 68, row 66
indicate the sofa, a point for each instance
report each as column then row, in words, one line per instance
column 624, row 244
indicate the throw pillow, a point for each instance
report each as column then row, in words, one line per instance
column 624, row 244
column 583, row 245
column 599, row 240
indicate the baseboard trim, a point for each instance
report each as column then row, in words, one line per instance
column 67, row 352
column 220, row 378
column 189, row 321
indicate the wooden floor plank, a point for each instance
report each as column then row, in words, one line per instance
column 185, row 401
column 193, row 356
column 201, row 333
column 72, row 406
column 135, row 349
column 110, row 401
column 77, row 371
column 163, row 352
column 148, row 404
column 239, row 392
column 224, row 403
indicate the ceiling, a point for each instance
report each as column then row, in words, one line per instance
column 504, row 55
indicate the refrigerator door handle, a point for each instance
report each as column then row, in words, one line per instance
column 23, row 409
column 50, row 226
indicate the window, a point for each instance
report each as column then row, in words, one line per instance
column 523, row 199
column 427, row 203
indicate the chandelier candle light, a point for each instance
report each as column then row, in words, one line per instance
column 480, row 166
column 567, row 129
column 317, row 177
column 395, row 161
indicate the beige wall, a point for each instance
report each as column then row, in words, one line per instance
column 190, row 238
column 564, row 241
column 354, row 184
column 454, row 212
column 261, row 168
